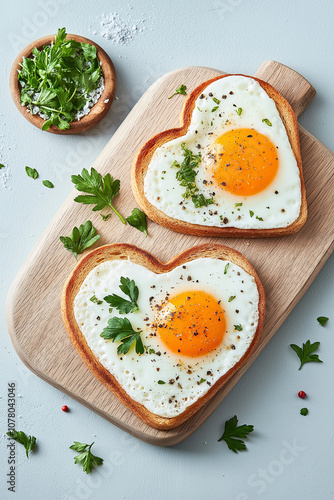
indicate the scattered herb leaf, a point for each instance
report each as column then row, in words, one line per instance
column 32, row 172
column 304, row 411
column 259, row 218
column 101, row 191
column 80, row 239
column 86, row 457
column 322, row 320
column 217, row 101
column 231, row 432
column 120, row 329
column 214, row 109
column 96, row 300
column 265, row 120
column 29, row 442
column 251, row 213
column 48, row 184
column 202, row 380
column 226, row 268
column 105, row 217
column 305, row 353
column 122, row 305
column 238, row 111
column 161, row 382
column 138, row 220
column 238, row 327
column 232, row 298
column 2, row 166
column 180, row 90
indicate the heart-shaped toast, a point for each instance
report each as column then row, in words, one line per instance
column 164, row 337
column 233, row 168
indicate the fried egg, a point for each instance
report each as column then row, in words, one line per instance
column 196, row 322
column 246, row 164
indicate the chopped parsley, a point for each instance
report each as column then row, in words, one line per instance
column 322, row 320
column 251, row 213
column 82, row 237
column 96, row 300
column 161, row 382
column 305, row 353
column 180, row 90
column 304, row 411
column 214, row 108
column 267, row 122
column 86, row 457
column 186, row 176
column 217, row 101
column 232, row 298
column 138, row 220
column 238, row 327
column 29, row 442
column 31, row 172
column 120, row 329
column 226, row 268
column 202, row 381
column 233, row 431
column 125, row 306
column 238, row 111
column 58, row 78
column 48, row 184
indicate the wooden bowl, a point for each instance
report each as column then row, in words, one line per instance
column 97, row 112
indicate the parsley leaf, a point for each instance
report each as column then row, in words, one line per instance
column 232, row 297
column 161, row 382
column 304, row 411
column 48, row 184
column 2, row 166
column 58, row 78
column 29, row 442
column 180, row 90
column 238, row 328
column 267, row 122
column 120, row 329
column 239, row 111
column 32, row 172
column 125, row 306
column 86, row 457
column 231, row 432
column 305, row 353
column 322, row 320
column 226, row 268
column 138, row 220
column 101, row 191
column 80, row 239
column 186, row 177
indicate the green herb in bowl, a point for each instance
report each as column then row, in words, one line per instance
column 61, row 82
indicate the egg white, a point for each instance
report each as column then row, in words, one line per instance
column 186, row 378
column 278, row 205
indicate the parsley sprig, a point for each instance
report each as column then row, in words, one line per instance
column 186, row 176
column 322, row 320
column 305, row 353
column 101, row 190
column 58, row 78
column 86, row 457
column 29, row 442
column 125, row 306
column 82, row 237
column 232, row 431
column 120, row 329
column 180, row 90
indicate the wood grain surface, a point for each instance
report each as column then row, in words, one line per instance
column 98, row 111
column 286, row 266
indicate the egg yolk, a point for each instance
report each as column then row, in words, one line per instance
column 245, row 161
column 192, row 323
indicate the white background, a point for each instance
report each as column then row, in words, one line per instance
column 289, row 456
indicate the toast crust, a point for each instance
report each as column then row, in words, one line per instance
column 144, row 156
column 143, row 258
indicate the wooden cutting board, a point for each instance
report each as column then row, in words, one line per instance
column 286, row 266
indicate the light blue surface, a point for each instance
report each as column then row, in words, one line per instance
column 289, row 456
